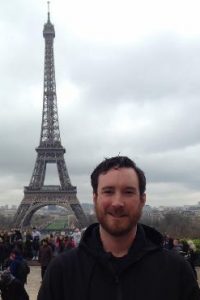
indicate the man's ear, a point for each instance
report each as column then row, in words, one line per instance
column 143, row 199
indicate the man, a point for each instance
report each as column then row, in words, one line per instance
column 119, row 258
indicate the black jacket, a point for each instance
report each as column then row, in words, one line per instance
column 147, row 272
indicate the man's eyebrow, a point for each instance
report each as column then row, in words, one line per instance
column 107, row 187
column 112, row 187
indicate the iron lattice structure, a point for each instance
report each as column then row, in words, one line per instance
column 50, row 150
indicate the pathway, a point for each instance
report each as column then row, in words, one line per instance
column 33, row 282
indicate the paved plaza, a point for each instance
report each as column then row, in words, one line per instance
column 34, row 280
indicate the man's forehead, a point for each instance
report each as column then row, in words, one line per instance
column 119, row 170
column 123, row 174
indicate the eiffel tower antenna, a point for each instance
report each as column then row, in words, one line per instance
column 48, row 4
column 49, row 151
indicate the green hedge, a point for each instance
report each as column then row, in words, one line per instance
column 197, row 244
column 57, row 225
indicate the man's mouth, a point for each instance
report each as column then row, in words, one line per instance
column 117, row 215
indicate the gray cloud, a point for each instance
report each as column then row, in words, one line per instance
column 164, row 66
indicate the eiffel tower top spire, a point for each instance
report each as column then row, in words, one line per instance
column 50, row 133
column 48, row 27
column 48, row 3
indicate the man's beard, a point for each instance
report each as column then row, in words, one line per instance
column 117, row 223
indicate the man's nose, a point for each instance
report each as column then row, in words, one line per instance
column 117, row 200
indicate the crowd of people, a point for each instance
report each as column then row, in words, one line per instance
column 17, row 248
column 185, row 248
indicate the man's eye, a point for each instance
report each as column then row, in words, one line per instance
column 108, row 192
column 130, row 192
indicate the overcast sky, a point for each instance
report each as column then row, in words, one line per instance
column 128, row 82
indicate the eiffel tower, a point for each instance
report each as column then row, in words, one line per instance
column 50, row 150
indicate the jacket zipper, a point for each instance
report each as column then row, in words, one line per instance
column 119, row 290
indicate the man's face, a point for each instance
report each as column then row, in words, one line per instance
column 118, row 202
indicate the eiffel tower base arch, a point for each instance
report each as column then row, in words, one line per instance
column 34, row 201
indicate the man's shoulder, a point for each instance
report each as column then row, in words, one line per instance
column 64, row 257
column 62, row 262
column 171, row 259
column 69, row 265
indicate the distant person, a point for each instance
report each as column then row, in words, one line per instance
column 177, row 246
column 36, row 236
column 28, row 253
column 17, row 235
column 192, row 255
column 59, row 245
column 3, row 253
column 76, row 236
column 51, row 242
column 68, row 243
column 45, row 256
column 167, row 242
column 36, row 233
column 118, row 258
column 18, row 266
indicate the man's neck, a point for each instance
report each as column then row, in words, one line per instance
column 117, row 245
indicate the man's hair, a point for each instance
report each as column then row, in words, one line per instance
column 6, row 277
column 117, row 162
